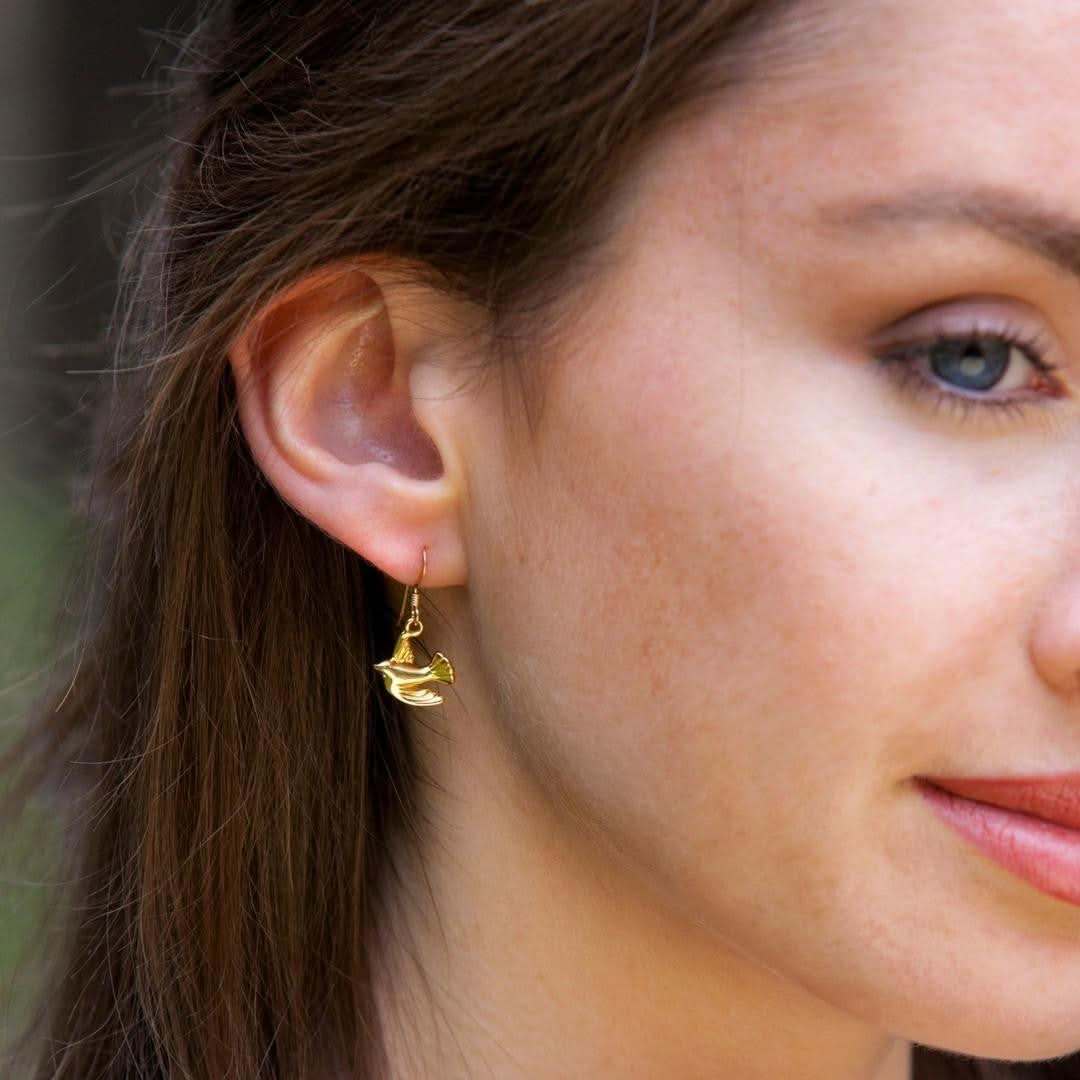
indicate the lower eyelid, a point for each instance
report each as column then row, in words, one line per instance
column 901, row 365
column 905, row 376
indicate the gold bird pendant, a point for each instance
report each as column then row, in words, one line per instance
column 401, row 674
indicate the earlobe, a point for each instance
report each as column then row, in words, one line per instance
column 326, row 406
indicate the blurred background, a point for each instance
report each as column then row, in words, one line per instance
column 76, row 112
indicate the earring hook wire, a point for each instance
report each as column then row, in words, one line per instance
column 416, row 587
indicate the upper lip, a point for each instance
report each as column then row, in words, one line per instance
column 1052, row 798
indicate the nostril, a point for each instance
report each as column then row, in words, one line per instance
column 1055, row 637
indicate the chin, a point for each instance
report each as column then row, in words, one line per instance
column 981, row 1034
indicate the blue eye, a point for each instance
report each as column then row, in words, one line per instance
column 958, row 370
column 977, row 364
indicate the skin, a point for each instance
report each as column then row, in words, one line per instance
column 736, row 592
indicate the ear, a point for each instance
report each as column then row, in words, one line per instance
column 345, row 398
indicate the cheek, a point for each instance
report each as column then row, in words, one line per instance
column 734, row 611
column 762, row 597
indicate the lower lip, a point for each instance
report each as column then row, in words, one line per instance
column 1043, row 854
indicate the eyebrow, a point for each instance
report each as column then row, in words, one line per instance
column 1013, row 217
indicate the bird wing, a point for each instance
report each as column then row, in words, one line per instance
column 403, row 652
column 419, row 696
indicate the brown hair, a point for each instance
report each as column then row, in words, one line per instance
column 236, row 785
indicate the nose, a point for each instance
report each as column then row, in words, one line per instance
column 1055, row 637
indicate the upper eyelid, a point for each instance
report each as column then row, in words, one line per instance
column 986, row 314
column 967, row 305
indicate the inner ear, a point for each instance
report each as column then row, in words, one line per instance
column 359, row 404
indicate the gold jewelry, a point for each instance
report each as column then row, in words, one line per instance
column 403, row 678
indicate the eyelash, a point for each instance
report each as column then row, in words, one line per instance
column 901, row 364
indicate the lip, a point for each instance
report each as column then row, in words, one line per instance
column 1028, row 825
column 1051, row 798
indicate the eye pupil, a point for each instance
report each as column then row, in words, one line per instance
column 974, row 364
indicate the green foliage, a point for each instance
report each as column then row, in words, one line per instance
column 34, row 547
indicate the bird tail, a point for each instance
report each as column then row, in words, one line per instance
column 441, row 668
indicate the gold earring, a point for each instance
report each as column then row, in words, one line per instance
column 403, row 678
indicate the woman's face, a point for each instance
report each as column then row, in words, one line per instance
column 749, row 579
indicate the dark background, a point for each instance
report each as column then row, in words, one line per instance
column 76, row 101
column 77, row 109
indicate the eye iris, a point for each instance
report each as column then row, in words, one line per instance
column 975, row 364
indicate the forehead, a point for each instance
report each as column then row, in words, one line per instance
column 841, row 96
